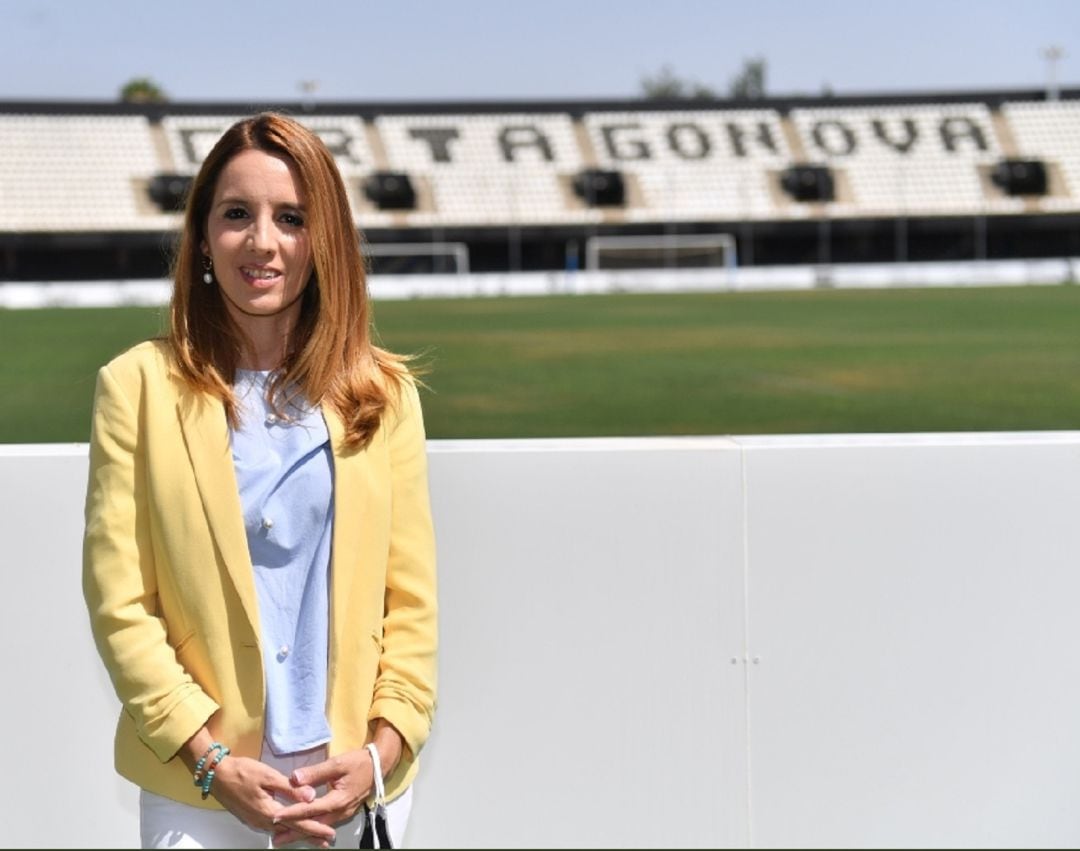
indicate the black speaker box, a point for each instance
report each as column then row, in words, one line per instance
column 390, row 190
column 600, row 188
column 169, row 191
column 808, row 182
column 1020, row 177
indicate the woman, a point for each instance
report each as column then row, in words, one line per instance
column 259, row 556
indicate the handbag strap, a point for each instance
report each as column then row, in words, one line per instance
column 376, row 763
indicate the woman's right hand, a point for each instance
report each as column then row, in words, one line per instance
column 249, row 789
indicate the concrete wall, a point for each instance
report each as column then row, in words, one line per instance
column 794, row 641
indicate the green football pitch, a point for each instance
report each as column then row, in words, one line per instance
column 828, row 361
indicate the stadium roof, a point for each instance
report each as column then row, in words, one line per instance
column 575, row 108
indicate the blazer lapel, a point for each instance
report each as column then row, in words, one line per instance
column 206, row 434
column 351, row 490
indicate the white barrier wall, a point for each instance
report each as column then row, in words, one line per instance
column 28, row 295
column 794, row 641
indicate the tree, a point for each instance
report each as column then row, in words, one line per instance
column 142, row 90
column 749, row 83
column 666, row 85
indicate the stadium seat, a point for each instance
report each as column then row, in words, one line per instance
column 459, row 169
column 1050, row 132
column 77, row 173
column 483, row 169
column 701, row 164
column 904, row 159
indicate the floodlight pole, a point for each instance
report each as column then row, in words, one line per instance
column 1052, row 54
column 308, row 89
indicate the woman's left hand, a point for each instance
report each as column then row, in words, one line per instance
column 349, row 778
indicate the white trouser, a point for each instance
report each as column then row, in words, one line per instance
column 164, row 823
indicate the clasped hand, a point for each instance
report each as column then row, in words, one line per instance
column 251, row 790
column 349, row 779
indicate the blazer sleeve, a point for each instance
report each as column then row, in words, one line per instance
column 405, row 686
column 120, row 581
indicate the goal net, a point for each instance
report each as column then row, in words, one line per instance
column 417, row 258
column 667, row 251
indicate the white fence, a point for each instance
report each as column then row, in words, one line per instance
column 834, row 641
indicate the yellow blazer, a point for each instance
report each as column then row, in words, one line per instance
column 170, row 588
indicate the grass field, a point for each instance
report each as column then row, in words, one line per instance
column 763, row 363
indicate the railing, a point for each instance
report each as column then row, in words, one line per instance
column 833, row 641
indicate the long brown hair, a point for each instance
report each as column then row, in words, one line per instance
column 330, row 357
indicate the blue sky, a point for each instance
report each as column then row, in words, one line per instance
column 483, row 49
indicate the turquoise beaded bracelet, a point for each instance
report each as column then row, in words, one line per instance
column 204, row 781
column 209, row 778
column 216, row 746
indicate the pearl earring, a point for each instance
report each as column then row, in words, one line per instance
column 208, row 276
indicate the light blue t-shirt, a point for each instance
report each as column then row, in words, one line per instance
column 285, row 472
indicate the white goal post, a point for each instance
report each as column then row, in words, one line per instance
column 661, row 251
column 459, row 251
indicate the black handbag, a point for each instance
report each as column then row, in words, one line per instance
column 376, row 832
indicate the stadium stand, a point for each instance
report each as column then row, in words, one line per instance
column 694, row 165
column 87, row 189
column 479, row 169
column 906, row 160
column 77, row 173
column 1050, row 133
